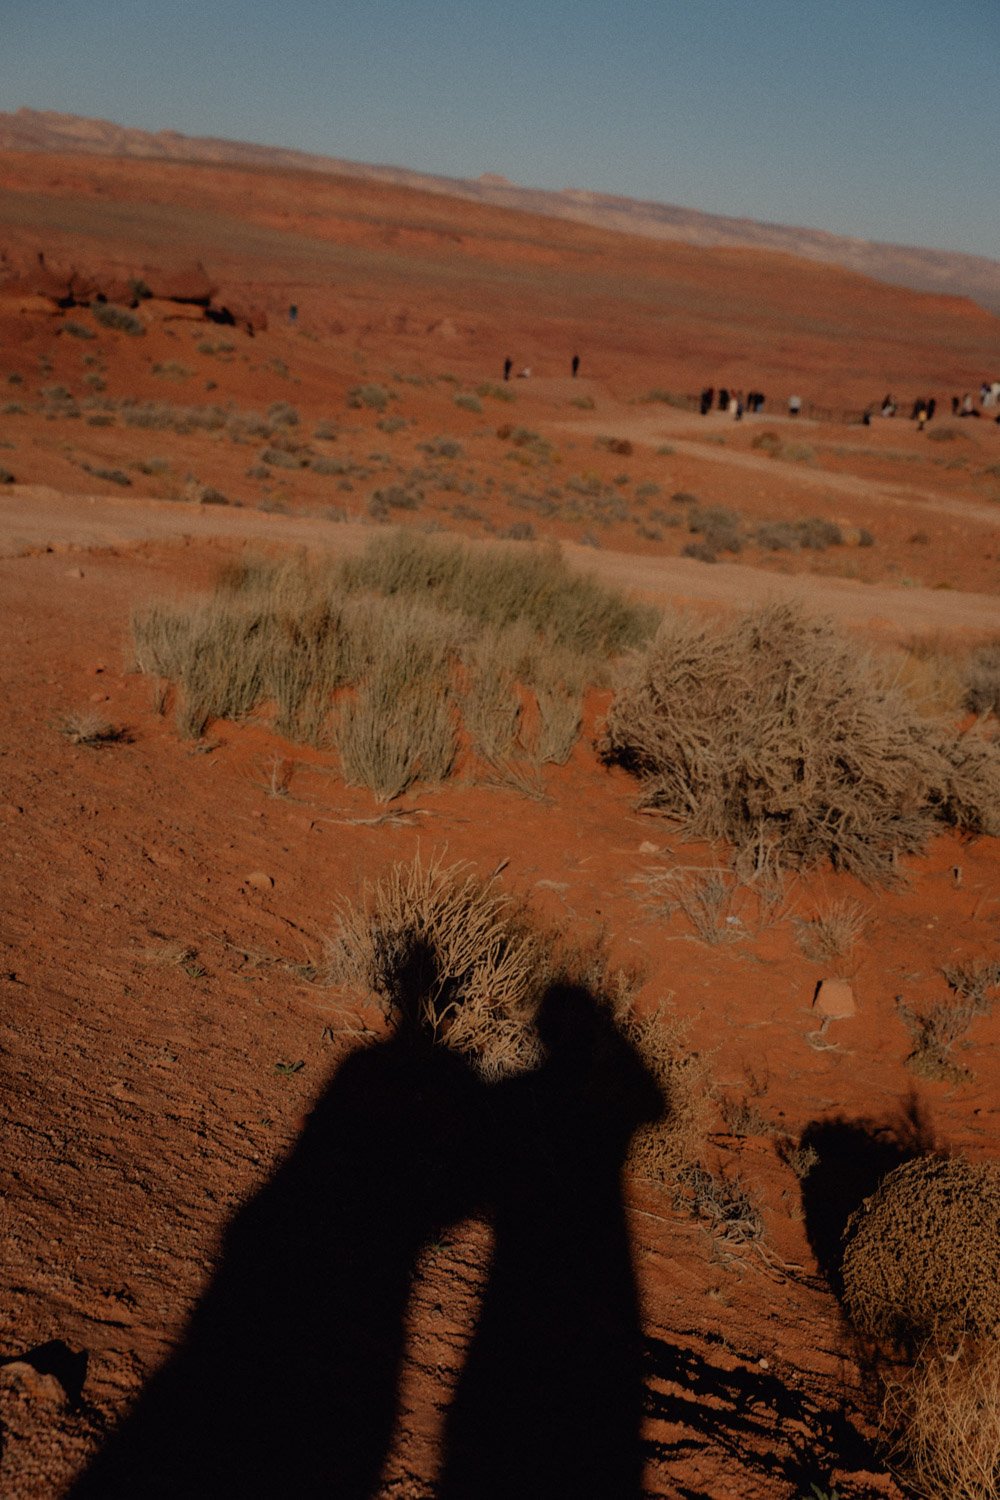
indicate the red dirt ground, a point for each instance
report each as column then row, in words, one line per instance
column 155, row 989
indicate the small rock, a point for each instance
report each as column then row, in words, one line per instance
column 834, row 999
column 74, row 572
column 260, row 880
column 100, row 697
column 647, row 848
column 24, row 1381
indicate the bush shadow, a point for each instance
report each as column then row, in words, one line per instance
column 852, row 1158
column 750, row 1417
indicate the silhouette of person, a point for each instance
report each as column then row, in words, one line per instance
column 575, row 365
column 508, row 365
column 550, row 1400
column 287, row 1377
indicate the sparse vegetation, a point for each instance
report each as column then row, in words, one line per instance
column 832, row 931
column 92, row 731
column 776, row 736
column 982, row 693
column 118, row 318
column 381, row 655
column 375, row 397
column 484, row 965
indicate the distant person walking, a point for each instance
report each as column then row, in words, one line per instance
column 508, row 365
column 575, row 365
column 931, row 408
column 794, row 405
column 707, row 397
column 723, row 398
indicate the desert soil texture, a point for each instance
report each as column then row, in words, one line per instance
column 497, row 873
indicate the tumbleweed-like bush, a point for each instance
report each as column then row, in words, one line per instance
column 921, row 1256
column 778, row 736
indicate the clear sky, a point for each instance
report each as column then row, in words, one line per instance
column 877, row 118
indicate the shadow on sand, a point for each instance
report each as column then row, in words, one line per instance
column 287, row 1376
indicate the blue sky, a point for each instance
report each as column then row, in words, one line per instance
column 876, row 118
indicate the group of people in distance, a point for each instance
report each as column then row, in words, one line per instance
column 924, row 408
column 733, row 402
column 525, row 372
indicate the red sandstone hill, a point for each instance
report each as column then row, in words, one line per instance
column 920, row 268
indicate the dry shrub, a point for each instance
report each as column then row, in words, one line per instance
column 501, row 586
column 491, row 963
column 382, row 654
column 391, row 735
column 832, row 931
column 776, row 735
column 934, row 1032
column 982, row 689
column 921, row 1256
column 943, row 1421
column 972, row 978
column 490, row 959
column 92, row 731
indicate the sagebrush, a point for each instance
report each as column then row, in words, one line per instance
column 777, row 736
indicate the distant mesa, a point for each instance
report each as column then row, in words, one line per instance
column 946, row 273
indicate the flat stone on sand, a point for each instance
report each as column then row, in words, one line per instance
column 834, row 999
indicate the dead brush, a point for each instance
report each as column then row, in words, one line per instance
column 93, row 731
column 774, row 735
column 832, row 932
column 384, row 655
column 972, row 979
column 491, row 964
column 725, row 1205
column 941, row 1422
column 934, row 1033
column 720, row 907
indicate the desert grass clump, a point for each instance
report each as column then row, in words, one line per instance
column 775, row 735
column 500, row 588
column 375, row 397
column 385, row 655
column 942, row 1420
column 921, row 1256
column 485, row 968
column 92, row 731
column 488, row 958
column 832, row 931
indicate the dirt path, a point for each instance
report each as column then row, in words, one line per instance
column 657, row 427
column 36, row 519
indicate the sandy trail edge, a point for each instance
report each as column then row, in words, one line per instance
column 34, row 518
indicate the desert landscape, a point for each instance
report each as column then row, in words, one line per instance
column 498, row 872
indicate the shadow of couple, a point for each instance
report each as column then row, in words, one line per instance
column 287, row 1375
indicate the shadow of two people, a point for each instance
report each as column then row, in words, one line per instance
column 286, row 1378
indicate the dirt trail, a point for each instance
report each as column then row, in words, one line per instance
column 653, row 429
column 36, row 519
